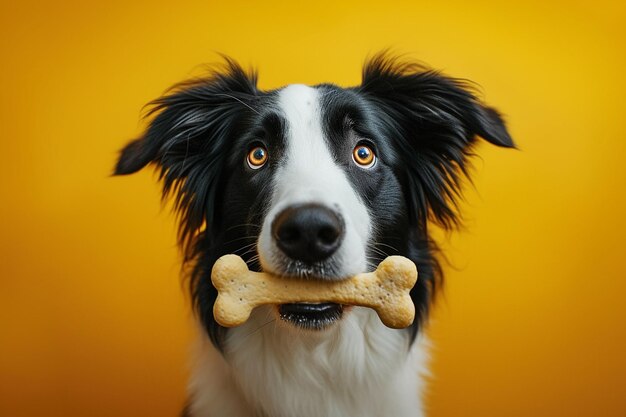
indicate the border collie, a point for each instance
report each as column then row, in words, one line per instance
column 320, row 182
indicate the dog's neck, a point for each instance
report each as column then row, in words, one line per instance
column 358, row 368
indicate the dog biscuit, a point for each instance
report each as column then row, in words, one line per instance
column 385, row 290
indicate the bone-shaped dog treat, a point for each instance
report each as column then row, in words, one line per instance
column 386, row 290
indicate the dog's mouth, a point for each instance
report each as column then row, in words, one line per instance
column 311, row 316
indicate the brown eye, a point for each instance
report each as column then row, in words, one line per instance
column 364, row 156
column 257, row 157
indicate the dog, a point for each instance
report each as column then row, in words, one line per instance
column 319, row 182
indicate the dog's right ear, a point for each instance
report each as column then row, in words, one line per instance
column 188, row 139
column 188, row 118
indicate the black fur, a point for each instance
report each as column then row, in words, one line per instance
column 422, row 124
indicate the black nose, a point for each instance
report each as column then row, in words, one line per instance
column 308, row 232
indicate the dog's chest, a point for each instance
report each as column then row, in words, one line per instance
column 361, row 369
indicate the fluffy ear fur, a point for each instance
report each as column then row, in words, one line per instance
column 435, row 120
column 188, row 138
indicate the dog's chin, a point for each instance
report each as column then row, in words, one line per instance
column 311, row 316
column 314, row 317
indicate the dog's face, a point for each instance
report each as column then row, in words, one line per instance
column 320, row 182
column 310, row 177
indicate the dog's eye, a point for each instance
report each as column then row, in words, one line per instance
column 364, row 156
column 257, row 157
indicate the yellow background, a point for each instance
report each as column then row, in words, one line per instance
column 93, row 318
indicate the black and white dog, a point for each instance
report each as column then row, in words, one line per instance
column 320, row 182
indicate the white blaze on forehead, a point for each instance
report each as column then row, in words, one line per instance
column 308, row 173
column 309, row 163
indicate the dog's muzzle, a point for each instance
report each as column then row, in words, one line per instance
column 309, row 234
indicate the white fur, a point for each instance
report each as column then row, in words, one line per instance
column 357, row 367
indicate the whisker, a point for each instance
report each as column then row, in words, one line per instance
column 378, row 251
column 384, row 244
column 249, row 251
column 252, row 260
column 243, row 225
column 372, row 263
column 245, row 249
column 259, row 328
column 240, row 238
column 249, row 245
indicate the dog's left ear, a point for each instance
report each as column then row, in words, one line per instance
column 434, row 120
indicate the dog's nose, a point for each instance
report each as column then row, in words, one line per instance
column 308, row 232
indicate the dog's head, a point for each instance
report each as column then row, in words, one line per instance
column 321, row 182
